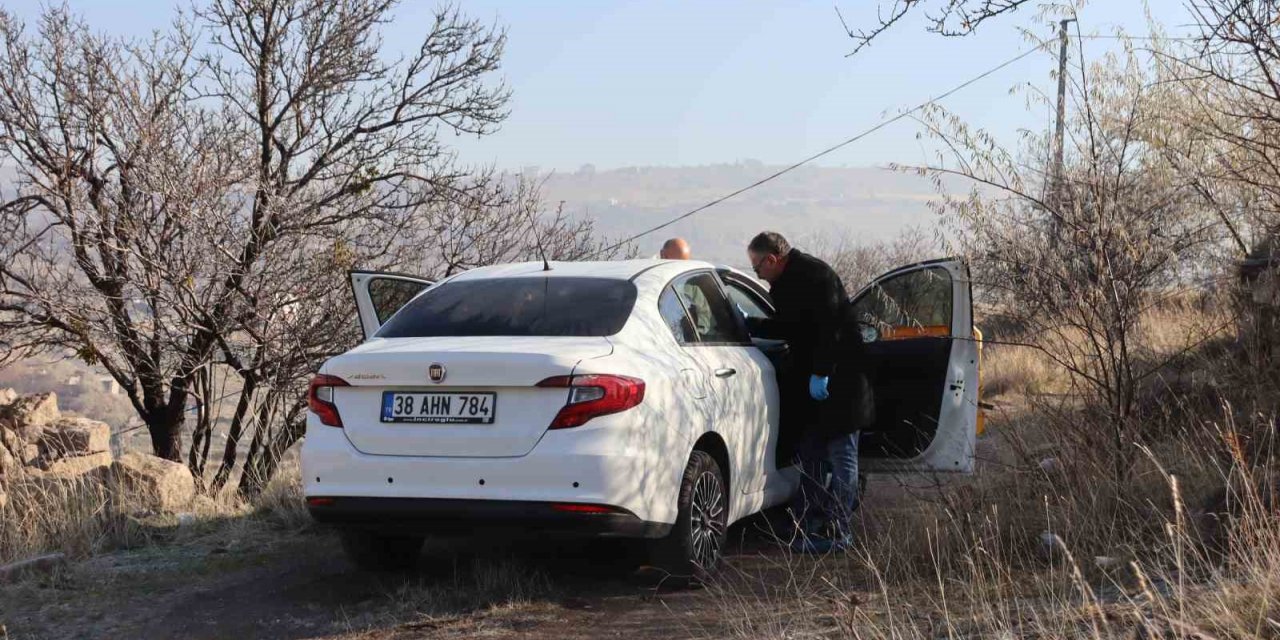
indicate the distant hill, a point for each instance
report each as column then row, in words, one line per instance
column 808, row 203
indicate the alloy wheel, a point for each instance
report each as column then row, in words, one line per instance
column 707, row 519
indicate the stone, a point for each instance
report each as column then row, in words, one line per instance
column 9, row 439
column 29, row 414
column 76, row 465
column 4, row 501
column 38, row 565
column 8, row 463
column 164, row 485
column 7, row 396
column 74, row 437
column 30, row 454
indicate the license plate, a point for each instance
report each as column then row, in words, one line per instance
column 439, row 408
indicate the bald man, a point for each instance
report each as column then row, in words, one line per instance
column 675, row 249
column 699, row 307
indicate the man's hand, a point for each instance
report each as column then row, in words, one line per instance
column 818, row 387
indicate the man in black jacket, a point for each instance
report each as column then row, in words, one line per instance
column 826, row 396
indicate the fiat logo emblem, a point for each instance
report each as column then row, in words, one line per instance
column 436, row 372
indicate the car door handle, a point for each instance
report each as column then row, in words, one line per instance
column 725, row 372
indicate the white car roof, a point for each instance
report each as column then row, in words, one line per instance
column 618, row 269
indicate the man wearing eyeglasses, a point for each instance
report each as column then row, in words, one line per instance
column 826, row 397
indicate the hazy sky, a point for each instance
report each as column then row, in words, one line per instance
column 664, row 82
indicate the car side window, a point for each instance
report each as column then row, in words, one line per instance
column 746, row 302
column 674, row 316
column 916, row 304
column 714, row 318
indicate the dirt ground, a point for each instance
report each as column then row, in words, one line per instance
column 300, row 586
column 259, row 579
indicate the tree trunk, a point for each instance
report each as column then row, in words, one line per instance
column 166, row 434
column 261, row 469
column 243, row 408
column 251, row 480
column 198, row 456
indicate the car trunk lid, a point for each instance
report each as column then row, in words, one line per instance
column 508, row 367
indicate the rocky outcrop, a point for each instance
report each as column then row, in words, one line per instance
column 8, row 463
column 162, row 484
column 36, row 439
column 68, row 437
column 39, row 446
column 27, row 415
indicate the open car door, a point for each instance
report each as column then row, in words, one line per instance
column 923, row 366
column 379, row 295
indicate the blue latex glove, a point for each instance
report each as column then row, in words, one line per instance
column 818, row 387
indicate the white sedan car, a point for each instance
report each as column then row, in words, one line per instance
column 621, row 399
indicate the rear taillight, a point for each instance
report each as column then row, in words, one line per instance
column 320, row 399
column 591, row 396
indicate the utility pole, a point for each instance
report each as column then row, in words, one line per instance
column 1055, row 180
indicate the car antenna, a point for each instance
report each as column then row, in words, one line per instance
column 533, row 227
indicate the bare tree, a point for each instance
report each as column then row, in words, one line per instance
column 115, row 168
column 1232, row 76
column 347, row 156
column 1229, row 126
column 943, row 17
column 1079, row 270
column 166, row 189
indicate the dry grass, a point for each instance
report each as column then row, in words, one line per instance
column 86, row 516
column 1013, row 370
column 967, row 561
column 1173, row 335
column 1046, row 541
column 77, row 516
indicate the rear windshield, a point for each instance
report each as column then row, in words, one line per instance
column 516, row 307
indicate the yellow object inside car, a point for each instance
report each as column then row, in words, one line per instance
column 982, row 415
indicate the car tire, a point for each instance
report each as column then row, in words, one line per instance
column 378, row 552
column 691, row 551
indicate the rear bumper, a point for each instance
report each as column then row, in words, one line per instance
column 586, row 465
column 507, row 518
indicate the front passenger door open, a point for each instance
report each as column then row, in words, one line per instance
column 924, row 368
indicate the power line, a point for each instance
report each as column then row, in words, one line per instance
column 882, row 124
